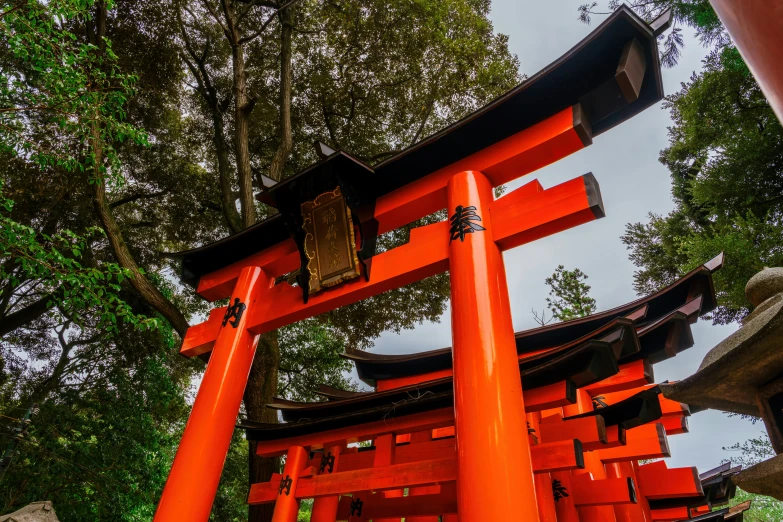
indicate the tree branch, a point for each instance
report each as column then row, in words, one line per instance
column 138, row 196
column 28, row 314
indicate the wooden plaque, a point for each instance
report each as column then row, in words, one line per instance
column 329, row 242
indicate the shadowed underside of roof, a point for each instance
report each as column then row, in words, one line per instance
column 652, row 328
column 584, row 75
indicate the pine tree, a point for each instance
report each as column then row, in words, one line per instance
column 570, row 295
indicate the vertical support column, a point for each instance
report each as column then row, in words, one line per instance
column 546, row 498
column 385, row 452
column 325, row 508
column 594, row 468
column 287, row 505
column 756, row 26
column 495, row 475
column 418, row 438
column 195, row 473
column 564, row 505
column 639, row 512
column 640, row 494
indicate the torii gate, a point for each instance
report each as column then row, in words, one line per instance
column 607, row 78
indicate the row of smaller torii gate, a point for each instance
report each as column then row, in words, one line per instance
column 543, row 425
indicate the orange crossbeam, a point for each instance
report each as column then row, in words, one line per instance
column 658, row 482
column 275, row 261
column 643, row 442
column 557, row 456
column 670, row 514
column 591, row 431
column 518, row 155
column 553, row 396
column 514, row 157
column 554, row 456
column 379, row 506
column 631, row 376
column 602, row 492
column 675, row 425
column 415, row 465
column 370, row 479
column 371, row 430
column 426, row 254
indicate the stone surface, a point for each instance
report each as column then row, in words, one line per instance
column 764, row 285
column 765, row 478
column 35, row 512
column 731, row 372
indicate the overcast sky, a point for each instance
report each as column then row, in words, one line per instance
column 633, row 183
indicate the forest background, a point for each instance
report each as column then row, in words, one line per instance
column 130, row 130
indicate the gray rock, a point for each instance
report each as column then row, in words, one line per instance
column 35, row 512
column 765, row 478
column 764, row 285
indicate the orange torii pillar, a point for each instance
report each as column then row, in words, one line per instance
column 494, row 471
column 195, row 473
column 325, row 508
column 639, row 512
column 593, row 465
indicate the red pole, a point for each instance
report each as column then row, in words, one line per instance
column 593, row 465
column 325, row 508
column 495, row 476
column 639, row 512
column 756, row 26
column 195, row 473
column 287, row 505
column 545, row 497
column 564, row 506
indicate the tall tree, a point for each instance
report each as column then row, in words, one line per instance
column 725, row 156
column 244, row 87
column 569, row 294
column 370, row 78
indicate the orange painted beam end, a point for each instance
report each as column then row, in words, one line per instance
column 602, row 492
column 200, row 338
column 556, row 209
column 659, row 483
column 670, row 514
column 632, row 375
column 643, row 442
column 555, row 395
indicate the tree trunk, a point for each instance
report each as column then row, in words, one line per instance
column 147, row 290
column 122, row 253
column 29, row 313
column 262, row 383
column 230, row 213
column 243, row 106
column 261, row 388
column 286, row 141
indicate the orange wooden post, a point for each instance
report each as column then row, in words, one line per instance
column 385, row 452
column 287, row 505
column 325, row 508
column 545, row 497
column 593, row 465
column 756, row 26
column 564, row 502
column 417, row 438
column 195, row 473
column 639, row 512
column 491, row 428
